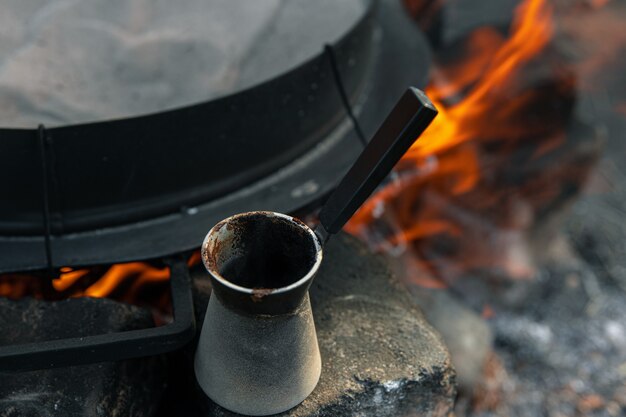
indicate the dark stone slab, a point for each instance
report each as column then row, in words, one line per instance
column 379, row 355
column 126, row 388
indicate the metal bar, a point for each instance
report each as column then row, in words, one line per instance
column 114, row 346
column 330, row 53
column 45, row 194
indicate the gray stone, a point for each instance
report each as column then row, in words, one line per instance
column 126, row 388
column 379, row 355
column 467, row 335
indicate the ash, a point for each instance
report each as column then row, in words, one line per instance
column 560, row 340
column 560, row 352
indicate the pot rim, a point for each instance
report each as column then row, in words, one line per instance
column 211, row 266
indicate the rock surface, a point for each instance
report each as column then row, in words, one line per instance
column 130, row 388
column 379, row 355
column 466, row 334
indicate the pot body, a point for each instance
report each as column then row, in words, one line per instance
column 257, row 365
column 258, row 353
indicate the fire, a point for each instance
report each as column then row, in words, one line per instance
column 139, row 283
column 87, row 282
column 130, row 282
column 139, row 272
column 483, row 107
column 446, row 197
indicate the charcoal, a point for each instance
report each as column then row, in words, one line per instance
column 379, row 355
column 126, row 388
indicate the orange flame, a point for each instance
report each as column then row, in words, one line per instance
column 118, row 273
column 447, row 158
column 138, row 283
column 532, row 29
column 89, row 282
column 136, row 274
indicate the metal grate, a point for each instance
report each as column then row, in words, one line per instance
column 113, row 346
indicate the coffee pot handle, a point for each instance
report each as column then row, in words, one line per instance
column 411, row 115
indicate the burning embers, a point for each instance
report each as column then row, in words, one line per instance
column 138, row 283
column 496, row 162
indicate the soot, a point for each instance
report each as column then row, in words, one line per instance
column 273, row 253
